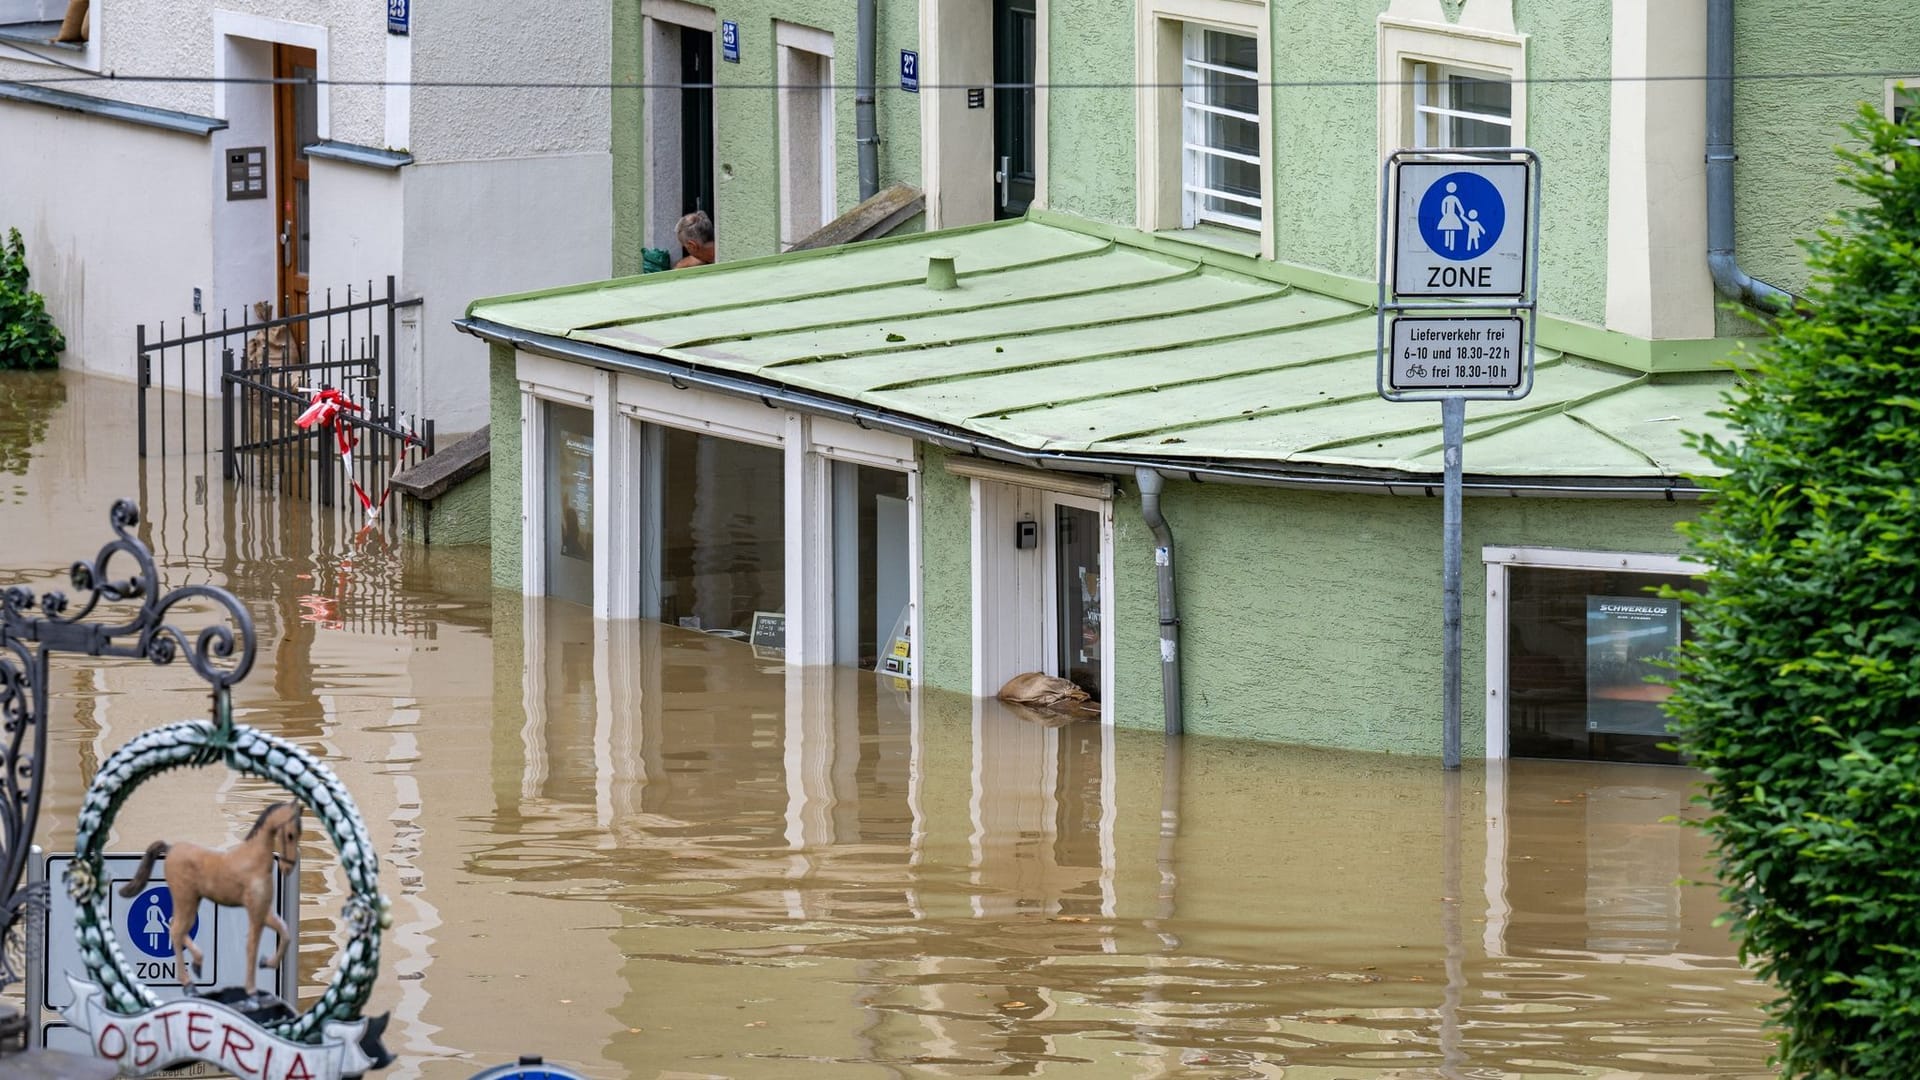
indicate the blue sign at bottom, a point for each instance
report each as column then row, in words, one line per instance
column 909, row 71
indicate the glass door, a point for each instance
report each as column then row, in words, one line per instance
column 1078, row 626
column 1013, row 63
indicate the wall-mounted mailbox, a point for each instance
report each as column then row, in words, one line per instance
column 1026, row 534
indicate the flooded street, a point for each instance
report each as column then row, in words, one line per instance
column 643, row 852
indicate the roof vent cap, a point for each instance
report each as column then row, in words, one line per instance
column 941, row 275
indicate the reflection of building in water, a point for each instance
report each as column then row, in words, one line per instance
column 1586, row 859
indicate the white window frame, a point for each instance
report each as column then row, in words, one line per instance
column 656, row 221
column 1499, row 560
column 1194, row 150
column 1160, row 126
column 1405, row 44
column 1432, row 88
column 1907, row 88
column 788, row 39
column 543, row 379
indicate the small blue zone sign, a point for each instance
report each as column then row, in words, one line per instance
column 730, row 42
column 398, row 16
column 149, row 920
column 909, row 71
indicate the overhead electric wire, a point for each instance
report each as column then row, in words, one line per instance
column 82, row 75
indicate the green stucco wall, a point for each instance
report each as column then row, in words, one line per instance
column 1305, row 618
column 1784, row 129
column 746, row 169
column 1327, row 174
column 946, row 588
column 503, row 471
column 462, row 515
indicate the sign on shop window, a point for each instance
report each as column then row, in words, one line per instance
column 1627, row 637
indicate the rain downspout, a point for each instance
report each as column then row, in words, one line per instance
column 866, row 131
column 1151, row 483
column 1728, row 277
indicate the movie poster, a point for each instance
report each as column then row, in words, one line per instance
column 1626, row 637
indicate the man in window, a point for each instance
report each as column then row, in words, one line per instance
column 696, row 239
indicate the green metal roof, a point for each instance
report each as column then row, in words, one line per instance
column 1060, row 339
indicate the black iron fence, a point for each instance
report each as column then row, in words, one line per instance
column 240, row 389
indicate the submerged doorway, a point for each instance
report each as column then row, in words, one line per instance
column 1042, row 585
column 296, row 126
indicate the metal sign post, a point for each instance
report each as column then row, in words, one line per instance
column 1459, row 247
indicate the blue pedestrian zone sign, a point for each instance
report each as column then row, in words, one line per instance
column 909, row 71
column 730, row 42
column 149, row 923
column 1461, row 230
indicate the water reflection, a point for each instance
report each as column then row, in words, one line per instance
column 640, row 850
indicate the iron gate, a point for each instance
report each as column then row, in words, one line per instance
column 263, row 373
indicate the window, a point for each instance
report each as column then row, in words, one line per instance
column 1454, row 108
column 1572, row 641
column 569, row 510
column 806, row 131
column 54, row 31
column 1903, row 99
column 1220, row 127
column 1450, row 85
column 713, row 531
column 1203, row 122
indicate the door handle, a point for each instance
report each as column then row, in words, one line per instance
column 1003, row 176
column 286, row 243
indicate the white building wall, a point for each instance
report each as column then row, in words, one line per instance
column 116, row 223
column 483, row 228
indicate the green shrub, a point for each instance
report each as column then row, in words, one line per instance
column 1799, row 694
column 28, row 338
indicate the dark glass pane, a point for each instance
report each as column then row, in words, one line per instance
column 569, row 497
column 1077, row 583
column 723, row 532
column 1580, row 644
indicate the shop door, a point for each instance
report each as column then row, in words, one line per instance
column 1077, row 625
column 295, row 127
column 1013, row 63
column 696, row 122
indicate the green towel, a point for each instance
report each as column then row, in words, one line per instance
column 654, row 260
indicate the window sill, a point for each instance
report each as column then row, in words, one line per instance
column 1217, row 237
column 39, row 33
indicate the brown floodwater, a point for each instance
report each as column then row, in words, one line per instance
column 643, row 852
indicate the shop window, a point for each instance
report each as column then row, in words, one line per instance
column 713, row 531
column 1582, row 649
column 871, row 576
column 569, row 498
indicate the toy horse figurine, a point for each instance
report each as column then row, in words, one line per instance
column 241, row 876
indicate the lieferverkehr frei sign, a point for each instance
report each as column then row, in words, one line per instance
column 1481, row 352
column 1462, row 229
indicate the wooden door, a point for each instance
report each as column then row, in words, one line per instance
column 295, row 127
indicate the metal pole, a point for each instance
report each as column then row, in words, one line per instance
column 141, row 377
column 226, row 414
column 1453, row 422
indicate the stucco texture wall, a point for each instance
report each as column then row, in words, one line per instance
column 1090, row 118
column 500, row 41
column 746, row 149
column 1570, row 124
column 177, row 39
column 503, row 469
column 946, row 583
column 1784, row 129
column 1315, row 618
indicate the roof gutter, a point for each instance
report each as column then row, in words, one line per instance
column 683, row 375
column 1728, row 277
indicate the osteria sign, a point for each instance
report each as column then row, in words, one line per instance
column 195, row 1029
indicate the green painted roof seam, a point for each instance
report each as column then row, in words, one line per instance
column 904, row 347
column 1114, row 354
column 1177, row 384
